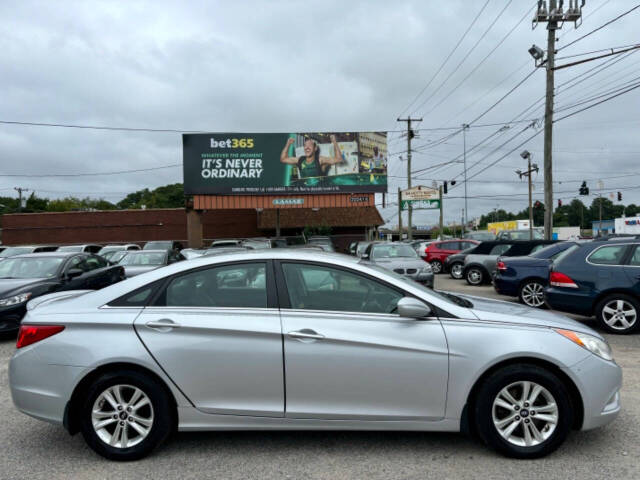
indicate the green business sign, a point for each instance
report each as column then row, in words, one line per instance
column 288, row 201
column 420, row 204
column 284, row 163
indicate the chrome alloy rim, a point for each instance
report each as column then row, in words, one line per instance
column 474, row 276
column 456, row 271
column 525, row 414
column 533, row 294
column 436, row 267
column 619, row 314
column 122, row 416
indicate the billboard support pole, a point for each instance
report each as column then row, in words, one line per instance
column 277, row 222
column 399, row 214
column 410, row 135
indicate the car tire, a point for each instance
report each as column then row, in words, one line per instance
column 436, row 266
column 456, row 270
column 106, row 414
column 474, row 276
column 618, row 313
column 507, row 429
column 531, row 293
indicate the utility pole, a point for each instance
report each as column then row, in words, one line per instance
column 441, row 216
column 399, row 214
column 553, row 17
column 20, row 190
column 410, row 135
column 465, row 127
column 527, row 174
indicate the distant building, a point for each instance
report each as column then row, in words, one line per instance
column 608, row 227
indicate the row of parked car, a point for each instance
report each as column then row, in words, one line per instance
column 599, row 277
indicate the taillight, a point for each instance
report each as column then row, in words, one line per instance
column 558, row 279
column 29, row 334
column 501, row 266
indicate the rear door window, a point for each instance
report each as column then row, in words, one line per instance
column 499, row 249
column 609, row 255
column 634, row 261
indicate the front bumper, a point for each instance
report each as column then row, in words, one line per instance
column 599, row 382
column 10, row 317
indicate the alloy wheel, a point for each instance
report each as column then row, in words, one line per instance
column 525, row 414
column 122, row 416
column 436, row 266
column 456, row 270
column 619, row 315
column 474, row 276
column 533, row 294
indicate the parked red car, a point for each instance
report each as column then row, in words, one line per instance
column 437, row 252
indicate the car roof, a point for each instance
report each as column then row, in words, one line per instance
column 49, row 254
column 154, row 250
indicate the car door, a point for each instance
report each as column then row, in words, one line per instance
column 348, row 356
column 632, row 270
column 78, row 282
column 216, row 332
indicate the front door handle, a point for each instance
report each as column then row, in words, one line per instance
column 306, row 334
column 162, row 325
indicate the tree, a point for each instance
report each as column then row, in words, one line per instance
column 168, row 196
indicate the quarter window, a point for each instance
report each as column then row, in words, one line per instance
column 315, row 287
column 609, row 255
column 238, row 285
column 635, row 258
column 499, row 249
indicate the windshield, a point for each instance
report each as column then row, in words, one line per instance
column 36, row 267
column 521, row 235
column 393, row 251
column 144, row 258
column 362, row 246
column 482, row 236
column 116, row 257
column 449, row 298
column 70, row 248
column 11, row 251
column 157, row 246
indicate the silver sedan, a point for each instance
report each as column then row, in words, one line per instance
column 280, row 339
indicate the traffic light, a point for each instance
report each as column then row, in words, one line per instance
column 584, row 190
column 619, row 196
column 559, row 203
column 444, row 187
column 537, row 204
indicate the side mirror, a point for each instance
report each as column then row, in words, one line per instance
column 74, row 272
column 413, row 308
column 365, row 256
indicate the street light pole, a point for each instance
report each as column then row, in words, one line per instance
column 465, row 127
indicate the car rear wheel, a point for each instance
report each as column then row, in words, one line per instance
column 436, row 266
column 618, row 313
column 456, row 270
column 126, row 415
column 532, row 294
column 474, row 276
column 523, row 411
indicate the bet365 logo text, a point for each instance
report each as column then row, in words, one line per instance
column 232, row 143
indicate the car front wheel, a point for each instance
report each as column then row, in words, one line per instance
column 436, row 266
column 523, row 411
column 532, row 294
column 457, row 270
column 474, row 276
column 126, row 415
column 618, row 313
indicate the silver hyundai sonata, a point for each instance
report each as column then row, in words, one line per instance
column 280, row 339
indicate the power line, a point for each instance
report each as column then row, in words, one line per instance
column 475, row 45
column 32, row 175
column 597, row 103
column 600, row 27
column 447, row 58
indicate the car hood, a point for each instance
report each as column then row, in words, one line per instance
column 133, row 270
column 391, row 263
column 499, row 311
column 9, row 285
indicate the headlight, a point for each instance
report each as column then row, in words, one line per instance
column 591, row 343
column 426, row 269
column 7, row 302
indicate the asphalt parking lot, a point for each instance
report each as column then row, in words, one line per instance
column 30, row 449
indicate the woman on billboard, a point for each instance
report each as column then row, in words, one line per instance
column 311, row 164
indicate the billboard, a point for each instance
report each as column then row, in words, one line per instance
column 268, row 163
column 420, row 198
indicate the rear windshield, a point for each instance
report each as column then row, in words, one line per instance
column 567, row 252
column 143, row 258
column 11, row 251
column 158, row 246
column 393, row 251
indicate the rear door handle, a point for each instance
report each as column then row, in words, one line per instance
column 306, row 334
column 162, row 325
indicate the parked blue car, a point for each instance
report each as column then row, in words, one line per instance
column 601, row 279
column 526, row 277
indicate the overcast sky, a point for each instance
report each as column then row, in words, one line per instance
column 280, row 66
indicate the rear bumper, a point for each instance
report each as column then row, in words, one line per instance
column 569, row 300
column 599, row 382
column 505, row 287
column 39, row 389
